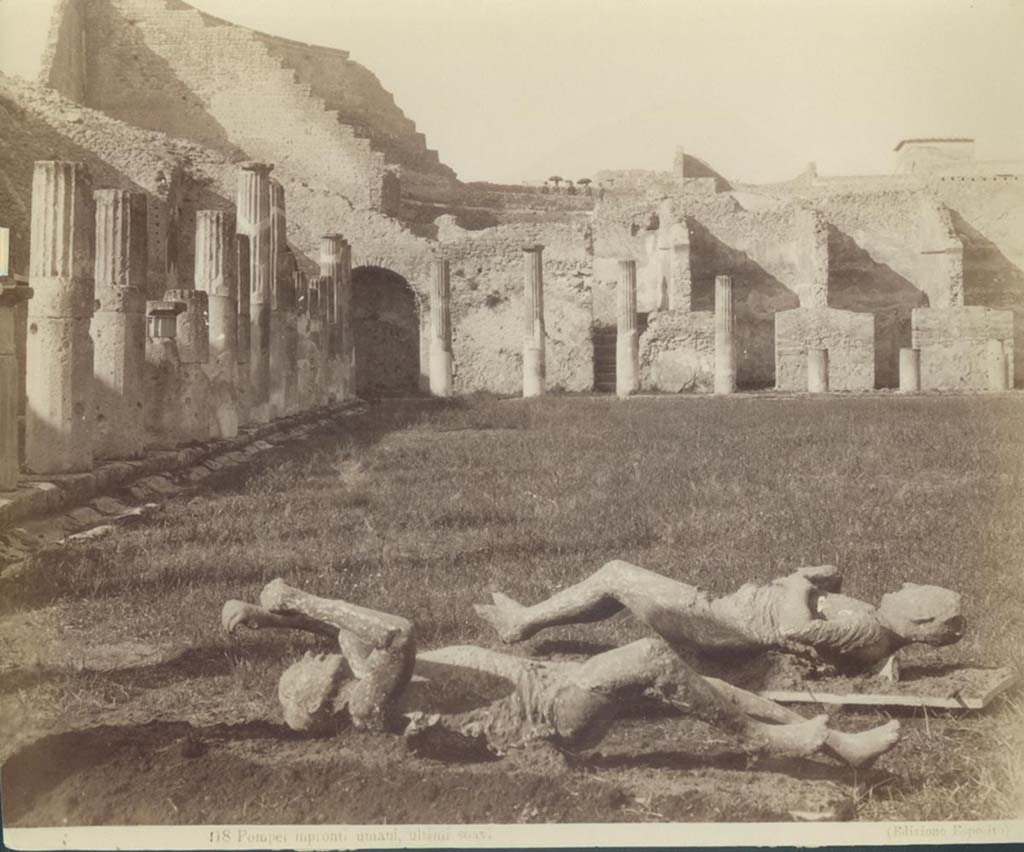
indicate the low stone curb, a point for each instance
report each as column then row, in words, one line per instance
column 80, row 506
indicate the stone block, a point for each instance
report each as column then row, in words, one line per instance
column 677, row 352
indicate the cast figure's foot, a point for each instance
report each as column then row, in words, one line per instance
column 240, row 612
column 795, row 740
column 503, row 616
column 864, row 748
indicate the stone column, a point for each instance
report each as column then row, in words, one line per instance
column 817, row 370
column 192, row 334
column 59, row 352
column 243, row 272
column 725, row 336
column 164, row 387
column 215, row 276
column 282, row 298
column 11, row 295
column 423, row 317
column 440, row 330
column 331, row 260
column 348, row 341
column 119, row 324
column 910, row 370
column 997, row 372
column 627, row 341
column 254, row 221
column 534, row 368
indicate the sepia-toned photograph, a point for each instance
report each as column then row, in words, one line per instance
column 514, row 422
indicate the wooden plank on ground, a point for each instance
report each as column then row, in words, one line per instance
column 1000, row 680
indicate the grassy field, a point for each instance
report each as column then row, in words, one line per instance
column 424, row 508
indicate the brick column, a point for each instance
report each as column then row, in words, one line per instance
column 627, row 341
column 215, row 276
column 725, row 333
column 11, row 296
column 59, row 351
column 534, row 368
column 254, row 221
column 910, row 370
column 440, row 330
column 119, row 324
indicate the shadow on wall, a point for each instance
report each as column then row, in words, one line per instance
column 993, row 280
column 386, row 325
column 757, row 296
column 857, row 282
column 127, row 80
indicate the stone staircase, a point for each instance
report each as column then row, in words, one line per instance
column 262, row 106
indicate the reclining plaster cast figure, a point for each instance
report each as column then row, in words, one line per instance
column 571, row 705
column 795, row 613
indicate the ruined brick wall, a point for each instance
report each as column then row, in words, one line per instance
column 847, row 335
column 954, row 344
column 677, row 352
column 487, row 305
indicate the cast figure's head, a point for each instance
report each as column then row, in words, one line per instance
column 309, row 691
column 929, row 614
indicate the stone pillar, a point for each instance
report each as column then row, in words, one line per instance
column 817, row 371
column 534, row 368
column 627, row 341
column 440, row 330
column 423, row 316
column 59, row 351
column 11, row 295
column 119, row 324
column 725, row 336
column 331, row 260
column 164, row 387
column 254, row 221
column 195, row 406
column 910, row 370
column 997, row 372
column 243, row 272
column 348, row 340
column 215, row 276
column 282, row 302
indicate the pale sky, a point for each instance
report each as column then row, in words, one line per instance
column 513, row 90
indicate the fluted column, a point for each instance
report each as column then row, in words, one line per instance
column 192, row 335
column 725, row 333
column 627, row 341
column 12, row 296
column 440, row 330
column 910, row 370
column 534, row 368
column 254, row 221
column 348, row 341
column 817, row 370
column 119, row 324
column 59, row 353
column 332, row 257
column 282, row 297
column 215, row 276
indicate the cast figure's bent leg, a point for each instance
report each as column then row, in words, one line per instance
column 378, row 647
column 617, row 585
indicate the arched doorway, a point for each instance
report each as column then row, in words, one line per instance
column 385, row 321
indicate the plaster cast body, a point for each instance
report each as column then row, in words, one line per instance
column 799, row 612
column 371, row 685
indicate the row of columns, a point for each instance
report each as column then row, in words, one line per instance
column 107, row 370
